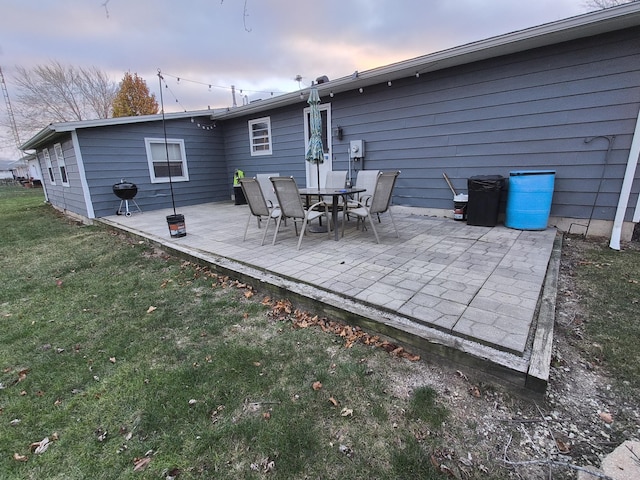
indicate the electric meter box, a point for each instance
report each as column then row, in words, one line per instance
column 356, row 149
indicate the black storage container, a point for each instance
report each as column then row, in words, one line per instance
column 484, row 200
column 238, row 196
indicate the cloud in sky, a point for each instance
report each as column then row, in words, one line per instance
column 257, row 45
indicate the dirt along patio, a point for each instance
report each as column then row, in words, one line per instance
column 480, row 297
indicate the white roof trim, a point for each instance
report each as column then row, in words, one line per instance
column 54, row 129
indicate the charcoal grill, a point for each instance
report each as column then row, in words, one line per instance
column 126, row 191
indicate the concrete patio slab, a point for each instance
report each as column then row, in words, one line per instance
column 464, row 293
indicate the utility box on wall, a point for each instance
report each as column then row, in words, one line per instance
column 356, row 149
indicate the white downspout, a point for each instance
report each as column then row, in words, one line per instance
column 636, row 212
column 629, row 174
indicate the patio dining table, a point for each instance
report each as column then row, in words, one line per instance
column 334, row 194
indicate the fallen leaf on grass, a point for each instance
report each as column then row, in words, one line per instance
column 346, row 450
column 475, row 391
column 266, row 415
column 173, row 473
column 563, row 447
column 20, row 458
column 347, row 412
column 334, row 401
column 316, row 386
column 606, row 417
column 112, row 359
column 151, row 309
column 41, row 446
column 101, row 435
column 140, row 464
column 22, row 374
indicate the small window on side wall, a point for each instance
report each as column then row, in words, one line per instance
column 62, row 166
column 47, row 161
column 160, row 167
column 260, row 136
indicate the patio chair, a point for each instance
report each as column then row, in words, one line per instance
column 257, row 205
column 380, row 201
column 267, row 188
column 336, row 180
column 291, row 206
column 366, row 179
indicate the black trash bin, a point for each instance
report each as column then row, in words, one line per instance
column 238, row 196
column 484, row 200
column 238, row 193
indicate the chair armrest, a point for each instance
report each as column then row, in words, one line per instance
column 318, row 204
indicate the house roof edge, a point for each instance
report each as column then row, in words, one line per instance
column 572, row 28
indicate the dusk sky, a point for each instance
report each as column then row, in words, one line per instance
column 259, row 46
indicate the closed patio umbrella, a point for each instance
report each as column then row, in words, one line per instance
column 315, row 152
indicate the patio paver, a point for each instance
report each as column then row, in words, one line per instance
column 477, row 286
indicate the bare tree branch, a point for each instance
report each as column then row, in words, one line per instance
column 601, row 4
column 59, row 93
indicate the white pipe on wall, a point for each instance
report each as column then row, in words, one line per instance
column 625, row 191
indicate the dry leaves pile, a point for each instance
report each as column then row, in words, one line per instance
column 283, row 310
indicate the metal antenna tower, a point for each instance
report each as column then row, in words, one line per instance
column 12, row 119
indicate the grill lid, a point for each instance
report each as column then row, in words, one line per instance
column 125, row 190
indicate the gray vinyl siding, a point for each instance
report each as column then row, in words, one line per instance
column 118, row 152
column 527, row 111
column 532, row 110
column 287, row 132
column 69, row 198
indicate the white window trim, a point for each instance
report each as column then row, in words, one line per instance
column 57, row 148
column 47, row 161
column 269, row 151
column 170, row 141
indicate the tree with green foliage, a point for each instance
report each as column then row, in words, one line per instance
column 133, row 98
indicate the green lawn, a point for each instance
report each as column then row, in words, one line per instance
column 119, row 361
column 134, row 364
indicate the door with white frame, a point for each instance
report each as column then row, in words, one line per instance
column 326, row 166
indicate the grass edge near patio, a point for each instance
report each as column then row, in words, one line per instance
column 75, row 370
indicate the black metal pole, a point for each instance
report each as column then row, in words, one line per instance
column 166, row 147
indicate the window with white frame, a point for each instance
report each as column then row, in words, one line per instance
column 47, row 161
column 260, row 136
column 62, row 166
column 166, row 159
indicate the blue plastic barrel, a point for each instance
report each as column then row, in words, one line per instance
column 529, row 199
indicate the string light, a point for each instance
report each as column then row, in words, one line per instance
column 166, row 85
column 203, row 126
column 211, row 85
